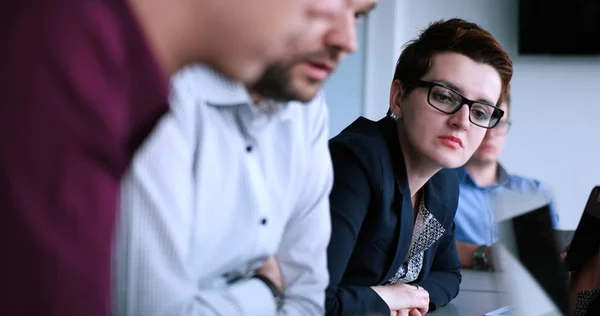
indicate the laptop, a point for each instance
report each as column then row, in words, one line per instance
column 583, row 249
column 502, row 311
column 536, row 275
column 586, row 239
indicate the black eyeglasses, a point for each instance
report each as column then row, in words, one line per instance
column 501, row 128
column 449, row 101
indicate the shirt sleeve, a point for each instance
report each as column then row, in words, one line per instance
column 302, row 254
column 553, row 215
column 151, row 275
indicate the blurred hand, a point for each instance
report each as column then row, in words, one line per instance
column 270, row 269
column 415, row 312
column 496, row 257
column 563, row 254
column 402, row 298
column 407, row 312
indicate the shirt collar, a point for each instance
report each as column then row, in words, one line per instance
column 502, row 175
column 220, row 91
column 271, row 108
column 465, row 177
column 389, row 131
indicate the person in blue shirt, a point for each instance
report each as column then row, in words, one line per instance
column 481, row 178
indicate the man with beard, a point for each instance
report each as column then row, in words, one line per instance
column 83, row 83
column 225, row 210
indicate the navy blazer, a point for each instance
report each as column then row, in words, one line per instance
column 372, row 219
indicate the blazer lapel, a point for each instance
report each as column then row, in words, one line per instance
column 402, row 197
column 435, row 207
column 433, row 190
column 404, row 207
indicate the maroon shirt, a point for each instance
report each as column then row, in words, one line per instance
column 79, row 92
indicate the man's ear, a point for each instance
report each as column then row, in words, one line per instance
column 396, row 94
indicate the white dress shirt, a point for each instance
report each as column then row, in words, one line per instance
column 221, row 185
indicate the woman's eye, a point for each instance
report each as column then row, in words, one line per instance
column 445, row 98
column 479, row 114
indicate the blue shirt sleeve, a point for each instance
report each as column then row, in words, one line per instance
column 553, row 214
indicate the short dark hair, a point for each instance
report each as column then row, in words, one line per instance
column 458, row 36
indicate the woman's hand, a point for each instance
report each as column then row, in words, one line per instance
column 403, row 298
column 407, row 312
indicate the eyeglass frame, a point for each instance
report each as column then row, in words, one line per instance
column 429, row 85
column 497, row 130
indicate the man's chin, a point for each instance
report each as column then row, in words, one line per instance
column 483, row 160
column 307, row 96
column 307, row 92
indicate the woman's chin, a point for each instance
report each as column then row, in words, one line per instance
column 450, row 162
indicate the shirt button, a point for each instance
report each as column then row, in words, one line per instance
column 263, row 221
column 248, row 148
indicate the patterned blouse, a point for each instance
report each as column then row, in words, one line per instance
column 427, row 231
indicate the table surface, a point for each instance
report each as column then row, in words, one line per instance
column 483, row 281
column 480, row 293
column 473, row 303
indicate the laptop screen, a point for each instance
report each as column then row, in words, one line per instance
column 536, row 272
column 534, row 246
column 586, row 240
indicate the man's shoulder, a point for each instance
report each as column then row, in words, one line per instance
column 309, row 118
column 195, row 72
column 106, row 70
column 522, row 183
column 315, row 108
column 201, row 82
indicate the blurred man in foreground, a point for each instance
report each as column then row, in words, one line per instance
column 83, row 83
column 225, row 210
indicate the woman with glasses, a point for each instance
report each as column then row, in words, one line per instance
column 395, row 193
